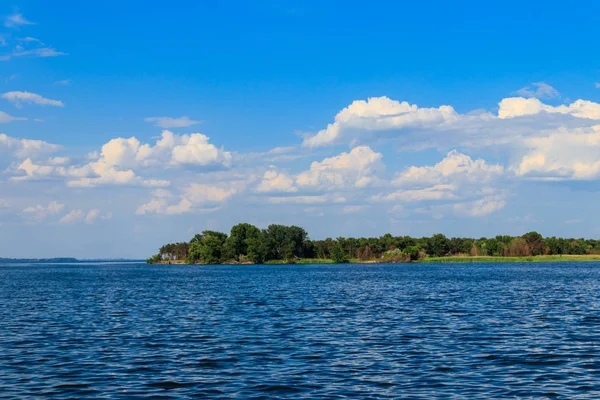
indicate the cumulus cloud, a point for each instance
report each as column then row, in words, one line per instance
column 120, row 158
column 565, row 154
column 196, row 197
column 169, row 122
column 26, row 147
column 72, row 216
column 435, row 192
column 540, row 90
column 518, row 107
column 481, row 207
column 457, row 179
column 52, row 168
column 454, row 168
column 171, row 149
column 92, row 215
column 162, row 206
column 379, row 114
column 32, row 98
column 356, row 168
column 40, row 212
column 381, row 118
column 276, row 181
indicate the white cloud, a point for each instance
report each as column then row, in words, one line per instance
column 355, row 209
column 92, row 215
column 88, row 175
column 26, row 147
column 71, row 217
column 196, row 197
column 106, row 174
column 454, row 168
column 26, row 97
column 64, row 82
column 436, row 192
column 276, row 181
column 171, row 149
column 4, row 118
column 481, row 207
column 519, row 106
column 299, row 200
column 40, row 212
column 379, row 114
column 597, row 85
column 457, row 179
column 119, row 158
column 354, row 169
column 418, row 128
column 16, row 19
column 199, row 193
column 168, row 122
column 38, row 52
column 29, row 39
column 565, row 154
column 53, row 168
column 162, row 206
column 540, row 90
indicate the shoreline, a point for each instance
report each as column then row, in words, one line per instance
column 427, row 260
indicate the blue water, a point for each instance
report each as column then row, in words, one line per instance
column 319, row 331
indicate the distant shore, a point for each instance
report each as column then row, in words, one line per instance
column 449, row 259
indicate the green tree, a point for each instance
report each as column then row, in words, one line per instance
column 236, row 244
column 207, row 248
column 412, row 253
column 257, row 249
column 535, row 241
column 337, row 255
column 438, row 245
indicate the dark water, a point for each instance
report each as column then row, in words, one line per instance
column 370, row 331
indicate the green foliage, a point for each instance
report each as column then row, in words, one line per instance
column 154, row 259
column 535, row 242
column 236, row 244
column 257, row 249
column 207, row 248
column 413, row 253
column 285, row 242
column 291, row 244
column 174, row 251
column 337, row 255
column 438, row 245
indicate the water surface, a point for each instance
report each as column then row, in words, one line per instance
column 443, row 330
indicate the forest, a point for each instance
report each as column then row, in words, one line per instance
column 248, row 244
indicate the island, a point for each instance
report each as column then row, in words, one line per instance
column 281, row 244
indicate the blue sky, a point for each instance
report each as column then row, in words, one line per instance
column 123, row 126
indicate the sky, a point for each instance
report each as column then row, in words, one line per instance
column 124, row 125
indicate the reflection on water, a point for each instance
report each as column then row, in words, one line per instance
column 133, row 330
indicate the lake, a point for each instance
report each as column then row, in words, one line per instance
column 314, row 331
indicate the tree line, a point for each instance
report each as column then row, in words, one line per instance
column 248, row 244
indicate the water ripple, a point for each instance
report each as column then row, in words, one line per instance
column 320, row 331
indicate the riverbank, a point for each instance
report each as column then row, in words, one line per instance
column 449, row 259
column 479, row 259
